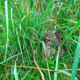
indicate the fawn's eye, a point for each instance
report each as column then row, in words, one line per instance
column 48, row 39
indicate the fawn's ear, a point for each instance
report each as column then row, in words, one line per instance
column 54, row 29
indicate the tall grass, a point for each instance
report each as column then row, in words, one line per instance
column 22, row 27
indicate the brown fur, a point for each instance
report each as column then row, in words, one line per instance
column 49, row 49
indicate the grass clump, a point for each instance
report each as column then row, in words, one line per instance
column 22, row 27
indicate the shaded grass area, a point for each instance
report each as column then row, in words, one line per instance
column 27, row 22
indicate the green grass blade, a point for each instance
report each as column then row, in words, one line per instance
column 76, row 59
column 11, row 57
column 26, row 74
column 56, row 67
column 6, row 51
column 15, row 72
column 76, row 26
column 74, row 29
column 66, row 73
column 46, row 59
column 6, row 13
